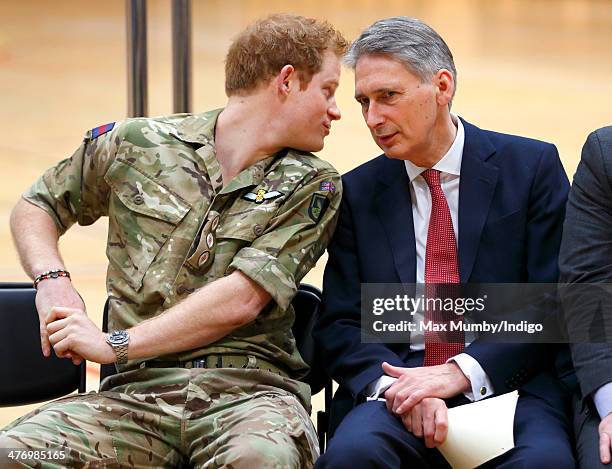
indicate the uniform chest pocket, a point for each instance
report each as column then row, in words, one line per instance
column 143, row 214
column 244, row 231
column 234, row 235
column 230, row 236
column 245, row 221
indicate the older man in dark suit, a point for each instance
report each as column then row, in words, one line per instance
column 446, row 203
column 586, row 258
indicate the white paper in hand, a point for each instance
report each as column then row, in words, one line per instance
column 480, row 431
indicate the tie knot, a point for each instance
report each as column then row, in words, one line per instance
column 432, row 178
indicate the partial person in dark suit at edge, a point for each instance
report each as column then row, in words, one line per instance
column 586, row 258
column 447, row 202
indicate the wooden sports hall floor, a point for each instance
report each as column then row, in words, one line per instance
column 540, row 68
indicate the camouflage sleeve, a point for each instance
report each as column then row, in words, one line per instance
column 74, row 190
column 294, row 239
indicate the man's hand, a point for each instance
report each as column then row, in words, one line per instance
column 50, row 293
column 605, row 438
column 415, row 384
column 72, row 333
column 429, row 420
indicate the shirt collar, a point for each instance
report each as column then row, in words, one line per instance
column 198, row 128
column 450, row 162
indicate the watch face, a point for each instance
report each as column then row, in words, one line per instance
column 118, row 337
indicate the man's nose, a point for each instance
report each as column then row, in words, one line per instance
column 373, row 116
column 334, row 111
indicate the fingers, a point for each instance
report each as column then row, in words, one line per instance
column 398, row 393
column 441, row 420
column 408, row 400
column 401, row 398
column 58, row 312
column 76, row 360
column 45, row 345
column 428, row 420
column 391, row 395
column 407, row 421
column 58, row 331
column 57, row 325
column 429, row 423
column 63, row 346
column 394, row 371
column 417, row 421
column 55, row 339
column 74, row 357
column 604, row 448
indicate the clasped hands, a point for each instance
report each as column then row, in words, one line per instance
column 68, row 329
column 417, row 398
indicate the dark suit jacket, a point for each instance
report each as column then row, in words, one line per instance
column 512, row 197
column 586, row 252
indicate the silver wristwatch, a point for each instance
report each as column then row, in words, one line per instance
column 119, row 341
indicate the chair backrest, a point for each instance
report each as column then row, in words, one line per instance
column 26, row 376
column 307, row 309
column 307, row 305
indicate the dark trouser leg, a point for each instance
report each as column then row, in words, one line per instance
column 370, row 437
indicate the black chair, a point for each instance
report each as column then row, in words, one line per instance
column 307, row 310
column 307, row 305
column 27, row 376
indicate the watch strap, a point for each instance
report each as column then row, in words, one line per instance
column 121, row 351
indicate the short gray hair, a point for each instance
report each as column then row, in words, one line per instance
column 407, row 40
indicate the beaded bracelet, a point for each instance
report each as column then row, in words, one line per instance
column 50, row 274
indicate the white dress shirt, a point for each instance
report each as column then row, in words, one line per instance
column 450, row 171
column 603, row 400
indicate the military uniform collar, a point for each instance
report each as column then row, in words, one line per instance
column 254, row 174
column 198, row 128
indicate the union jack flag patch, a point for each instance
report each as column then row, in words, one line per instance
column 327, row 186
column 95, row 133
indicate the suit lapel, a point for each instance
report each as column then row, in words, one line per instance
column 476, row 189
column 393, row 207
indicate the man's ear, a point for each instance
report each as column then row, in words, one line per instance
column 445, row 85
column 284, row 79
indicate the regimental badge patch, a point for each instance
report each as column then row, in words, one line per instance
column 327, row 186
column 95, row 133
column 318, row 206
column 261, row 195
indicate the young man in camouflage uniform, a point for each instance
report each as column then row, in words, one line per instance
column 214, row 220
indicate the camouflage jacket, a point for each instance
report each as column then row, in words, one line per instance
column 174, row 227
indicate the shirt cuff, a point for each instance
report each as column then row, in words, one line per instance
column 603, row 400
column 376, row 388
column 479, row 380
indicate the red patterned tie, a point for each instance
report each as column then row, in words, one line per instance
column 441, row 267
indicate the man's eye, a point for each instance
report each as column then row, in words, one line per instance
column 389, row 94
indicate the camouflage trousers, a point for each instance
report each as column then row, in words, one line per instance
column 174, row 417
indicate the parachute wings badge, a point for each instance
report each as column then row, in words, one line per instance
column 261, row 195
